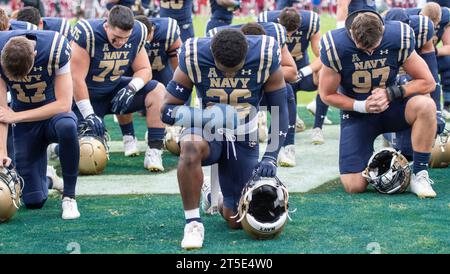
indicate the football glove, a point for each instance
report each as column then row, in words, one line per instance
column 267, row 168
column 122, row 101
column 96, row 124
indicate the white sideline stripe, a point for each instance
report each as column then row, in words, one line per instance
column 315, row 166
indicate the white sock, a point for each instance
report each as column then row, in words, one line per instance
column 192, row 213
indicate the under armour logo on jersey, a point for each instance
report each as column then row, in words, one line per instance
column 127, row 46
column 382, row 52
column 169, row 112
column 105, row 47
column 155, row 45
column 246, row 72
column 37, row 69
column 345, row 116
column 355, row 58
column 289, row 126
column 283, row 133
column 180, row 89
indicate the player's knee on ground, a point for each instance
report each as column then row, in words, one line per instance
column 34, row 200
column 354, row 183
column 228, row 215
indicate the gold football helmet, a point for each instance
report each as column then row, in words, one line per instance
column 11, row 185
column 172, row 139
column 440, row 154
column 94, row 151
column 263, row 207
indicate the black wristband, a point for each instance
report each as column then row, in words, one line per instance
column 395, row 92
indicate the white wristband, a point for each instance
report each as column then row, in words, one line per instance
column 85, row 107
column 360, row 106
column 136, row 83
column 306, row 71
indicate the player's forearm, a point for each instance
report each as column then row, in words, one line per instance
column 443, row 51
column 316, row 65
column 174, row 63
column 42, row 113
column 145, row 74
column 80, row 89
column 419, row 86
column 337, row 100
column 3, row 139
column 289, row 73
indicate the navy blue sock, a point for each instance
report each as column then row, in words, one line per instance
column 127, row 129
column 70, row 153
column 194, row 219
column 321, row 112
column 446, row 95
column 292, row 112
column 49, row 183
column 421, row 161
column 156, row 137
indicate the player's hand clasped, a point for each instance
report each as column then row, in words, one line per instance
column 7, row 115
column 122, row 101
column 378, row 101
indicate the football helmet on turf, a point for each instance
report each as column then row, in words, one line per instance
column 172, row 138
column 94, row 151
column 11, row 185
column 263, row 207
column 388, row 171
column 440, row 154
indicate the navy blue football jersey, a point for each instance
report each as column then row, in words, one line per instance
column 37, row 88
column 242, row 91
column 442, row 3
column 165, row 34
column 219, row 12
column 107, row 63
column 60, row 25
column 298, row 42
column 272, row 29
column 361, row 5
column 180, row 10
column 360, row 72
column 423, row 27
column 21, row 25
column 439, row 29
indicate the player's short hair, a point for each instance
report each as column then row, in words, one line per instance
column 229, row 47
column 29, row 14
column 4, row 20
column 144, row 20
column 433, row 11
column 367, row 30
column 253, row 28
column 17, row 58
column 290, row 19
column 121, row 17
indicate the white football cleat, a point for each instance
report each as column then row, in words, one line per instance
column 299, row 125
column 193, row 235
column 445, row 114
column 263, row 131
column 57, row 182
column 286, row 157
column 153, row 160
column 421, row 185
column 51, row 152
column 317, row 136
column 70, row 209
column 311, row 107
column 130, row 146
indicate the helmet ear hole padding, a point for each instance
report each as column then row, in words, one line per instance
column 263, row 208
